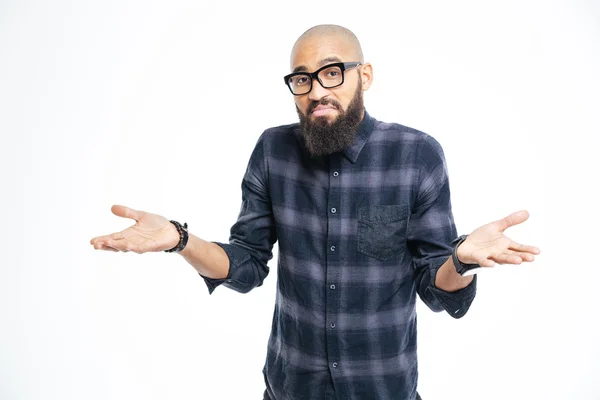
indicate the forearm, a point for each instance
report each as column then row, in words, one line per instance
column 208, row 258
column 449, row 280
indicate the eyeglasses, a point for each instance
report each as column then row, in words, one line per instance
column 329, row 76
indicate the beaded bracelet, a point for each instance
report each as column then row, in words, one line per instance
column 183, row 237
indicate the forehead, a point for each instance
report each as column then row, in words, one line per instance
column 310, row 53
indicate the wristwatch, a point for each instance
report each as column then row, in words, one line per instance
column 183, row 237
column 462, row 268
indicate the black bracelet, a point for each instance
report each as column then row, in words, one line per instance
column 183, row 237
column 461, row 267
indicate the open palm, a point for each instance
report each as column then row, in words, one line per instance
column 488, row 246
column 150, row 233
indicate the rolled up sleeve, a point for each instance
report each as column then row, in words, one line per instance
column 252, row 236
column 432, row 232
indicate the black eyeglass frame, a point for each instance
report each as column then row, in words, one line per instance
column 315, row 75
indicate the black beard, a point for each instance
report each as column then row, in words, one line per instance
column 322, row 137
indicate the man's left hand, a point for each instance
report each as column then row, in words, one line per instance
column 488, row 246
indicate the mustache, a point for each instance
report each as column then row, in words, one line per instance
column 323, row 102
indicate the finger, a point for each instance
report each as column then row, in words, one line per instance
column 524, row 256
column 524, row 248
column 102, row 246
column 99, row 239
column 126, row 212
column 116, row 236
column 120, row 245
column 507, row 259
column 125, row 245
column 512, row 220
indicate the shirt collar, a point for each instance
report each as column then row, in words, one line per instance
column 364, row 132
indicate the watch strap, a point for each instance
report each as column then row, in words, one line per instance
column 461, row 267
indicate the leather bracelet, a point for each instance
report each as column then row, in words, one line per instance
column 183, row 237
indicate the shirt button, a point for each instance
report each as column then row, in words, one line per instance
column 332, row 325
column 335, row 173
column 332, row 287
column 334, row 365
column 332, row 248
column 333, row 210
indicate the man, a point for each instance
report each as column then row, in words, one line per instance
column 362, row 215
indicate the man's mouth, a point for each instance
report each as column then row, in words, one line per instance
column 321, row 110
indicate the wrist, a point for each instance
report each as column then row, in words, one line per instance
column 449, row 280
column 182, row 234
column 192, row 247
column 173, row 236
column 461, row 254
column 462, row 262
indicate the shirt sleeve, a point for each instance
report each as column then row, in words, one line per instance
column 432, row 232
column 252, row 236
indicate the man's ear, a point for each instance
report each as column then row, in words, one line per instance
column 366, row 73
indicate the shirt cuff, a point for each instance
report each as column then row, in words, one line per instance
column 456, row 303
column 236, row 257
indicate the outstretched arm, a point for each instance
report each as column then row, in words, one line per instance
column 154, row 233
column 240, row 264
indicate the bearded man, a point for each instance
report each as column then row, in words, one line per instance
column 362, row 215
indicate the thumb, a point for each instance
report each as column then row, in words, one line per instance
column 126, row 212
column 511, row 220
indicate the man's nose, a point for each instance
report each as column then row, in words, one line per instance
column 317, row 91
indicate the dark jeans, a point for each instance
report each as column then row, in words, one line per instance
column 266, row 396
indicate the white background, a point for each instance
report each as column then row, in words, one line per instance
column 157, row 105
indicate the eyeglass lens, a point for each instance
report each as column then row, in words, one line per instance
column 329, row 77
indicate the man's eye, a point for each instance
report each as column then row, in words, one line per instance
column 301, row 81
column 333, row 74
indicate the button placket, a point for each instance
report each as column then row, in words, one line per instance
column 334, row 231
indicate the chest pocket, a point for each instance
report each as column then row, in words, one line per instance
column 382, row 231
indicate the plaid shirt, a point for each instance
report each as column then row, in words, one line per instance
column 360, row 233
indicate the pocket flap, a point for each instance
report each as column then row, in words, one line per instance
column 382, row 213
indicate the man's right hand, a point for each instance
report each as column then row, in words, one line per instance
column 150, row 233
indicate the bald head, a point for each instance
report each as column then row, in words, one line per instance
column 333, row 35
